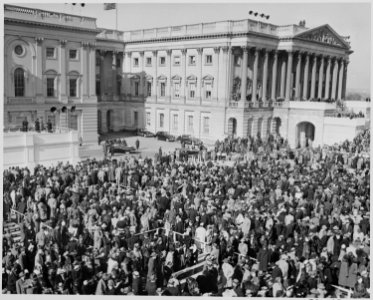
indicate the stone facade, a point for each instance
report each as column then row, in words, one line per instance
column 208, row 80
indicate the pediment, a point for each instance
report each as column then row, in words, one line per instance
column 176, row 78
column 208, row 78
column 323, row 34
column 192, row 78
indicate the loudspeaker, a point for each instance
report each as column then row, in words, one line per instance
column 73, row 108
column 53, row 109
column 64, row 109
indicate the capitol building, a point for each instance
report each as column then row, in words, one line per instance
column 209, row 80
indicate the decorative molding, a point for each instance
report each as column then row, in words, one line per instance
column 169, row 52
column 184, row 51
column 216, row 50
column 63, row 43
column 199, row 51
column 155, row 52
column 225, row 49
column 38, row 39
column 85, row 44
column 141, row 53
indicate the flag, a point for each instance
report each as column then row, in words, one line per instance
column 109, row 6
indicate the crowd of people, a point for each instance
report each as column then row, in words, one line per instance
column 280, row 222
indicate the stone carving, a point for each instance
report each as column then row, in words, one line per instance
column 322, row 36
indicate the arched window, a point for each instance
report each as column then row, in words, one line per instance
column 19, row 82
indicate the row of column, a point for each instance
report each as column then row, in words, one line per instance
column 334, row 76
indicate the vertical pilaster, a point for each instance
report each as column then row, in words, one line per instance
column 114, row 74
column 199, row 78
column 321, row 77
column 62, row 64
column 216, row 79
column 288, row 76
column 155, row 79
column 230, row 64
column 313, row 77
column 297, row 76
column 334, row 79
column 184, row 62
column 39, row 69
column 274, row 75
column 102, row 73
column 245, row 51
column 340, row 78
column 265, row 75
column 255, row 76
column 169, row 63
column 345, row 79
column 92, row 70
column 327, row 79
column 305, row 77
column 85, row 69
column 142, row 75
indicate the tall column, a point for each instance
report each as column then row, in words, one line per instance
column 62, row 63
column 114, row 75
column 142, row 75
column 288, row 76
column 216, row 78
column 223, row 88
column 305, row 77
column 245, row 50
column 183, row 89
column 340, row 79
column 297, row 76
column 283, row 77
column 334, row 79
column 230, row 75
column 155, row 79
column 313, row 77
column 199, row 78
column 39, row 69
column 85, row 69
column 92, row 70
column 327, row 80
column 344, row 85
column 102, row 73
column 321, row 77
column 169, row 63
column 274, row 75
column 255, row 76
column 265, row 76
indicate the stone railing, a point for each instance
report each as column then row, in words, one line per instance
column 20, row 100
column 223, row 27
column 110, row 35
column 38, row 15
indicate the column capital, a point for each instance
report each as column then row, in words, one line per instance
column 39, row 40
column 141, row 53
column 155, row 52
column 245, row 48
column 184, row 51
column 199, row 50
column 84, row 44
column 216, row 50
column 63, row 43
column 92, row 46
column 129, row 54
column 225, row 49
column 169, row 51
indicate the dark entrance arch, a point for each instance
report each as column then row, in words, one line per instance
column 276, row 125
column 305, row 134
column 232, row 126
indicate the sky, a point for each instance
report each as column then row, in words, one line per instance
column 346, row 18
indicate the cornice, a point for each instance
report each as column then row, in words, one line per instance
column 204, row 36
column 51, row 26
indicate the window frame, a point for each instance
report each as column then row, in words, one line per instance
column 76, row 87
column 174, row 60
column 76, row 54
column 190, row 63
column 175, row 121
column 19, row 91
column 206, row 60
column 54, row 53
column 206, row 132
column 164, row 91
column 53, row 89
column 136, row 62
column 160, row 61
column 148, row 118
column 148, row 61
column 161, row 120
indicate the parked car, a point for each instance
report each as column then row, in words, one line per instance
column 145, row 133
column 121, row 148
column 189, row 140
column 165, row 136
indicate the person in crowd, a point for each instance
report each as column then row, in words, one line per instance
column 273, row 222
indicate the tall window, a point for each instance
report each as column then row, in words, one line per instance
column 50, row 87
column 148, row 119
column 136, row 118
column 73, row 54
column 175, row 122
column 163, row 89
column 19, row 82
column 135, row 62
column 136, row 88
column 190, row 124
column 118, row 63
column 206, row 125
column 73, row 87
column 162, row 61
column 176, row 89
column 73, row 121
column 148, row 61
column 161, row 120
column 177, row 60
column 149, row 88
column 208, row 91
column 51, row 52
column 98, row 87
column 208, row 59
column 192, row 60
column 192, row 90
